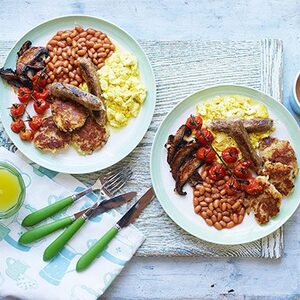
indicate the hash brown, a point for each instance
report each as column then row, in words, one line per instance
column 49, row 138
column 90, row 137
column 265, row 205
column 68, row 115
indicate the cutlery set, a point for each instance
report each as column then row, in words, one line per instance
column 107, row 186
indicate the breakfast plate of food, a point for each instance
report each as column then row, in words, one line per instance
column 78, row 94
column 224, row 164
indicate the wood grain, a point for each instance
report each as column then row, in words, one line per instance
column 181, row 68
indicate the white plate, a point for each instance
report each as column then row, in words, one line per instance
column 180, row 208
column 121, row 142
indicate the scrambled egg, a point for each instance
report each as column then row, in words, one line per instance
column 230, row 107
column 121, row 87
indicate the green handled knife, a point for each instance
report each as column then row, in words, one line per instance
column 129, row 217
column 53, row 249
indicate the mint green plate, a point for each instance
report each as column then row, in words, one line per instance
column 180, row 208
column 121, row 142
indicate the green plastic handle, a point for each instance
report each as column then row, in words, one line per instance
column 87, row 258
column 63, row 239
column 46, row 212
column 42, row 231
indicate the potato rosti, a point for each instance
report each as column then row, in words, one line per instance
column 265, row 205
column 68, row 115
column 49, row 138
column 90, row 137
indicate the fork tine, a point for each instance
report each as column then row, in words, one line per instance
column 118, row 182
column 116, row 177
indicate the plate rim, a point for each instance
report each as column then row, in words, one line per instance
column 56, row 167
column 181, row 221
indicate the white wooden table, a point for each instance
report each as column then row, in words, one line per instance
column 191, row 278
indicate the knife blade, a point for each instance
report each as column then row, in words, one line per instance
column 44, row 230
column 64, row 238
column 129, row 217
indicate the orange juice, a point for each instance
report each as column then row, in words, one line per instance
column 9, row 190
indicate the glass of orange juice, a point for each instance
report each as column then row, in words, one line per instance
column 12, row 190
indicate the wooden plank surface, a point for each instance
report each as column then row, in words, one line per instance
column 181, row 68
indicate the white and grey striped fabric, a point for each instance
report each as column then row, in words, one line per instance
column 181, row 68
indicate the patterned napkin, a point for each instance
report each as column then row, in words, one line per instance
column 23, row 272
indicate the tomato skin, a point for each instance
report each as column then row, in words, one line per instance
column 205, row 138
column 40, row 106
column 230, row 155
column 26, row 135
column 17, row 110
column 217, row 172
column 232, row 186
column 242, row 170
column 35, row 123
column 254, row 187
column 206, row 154
column 17, row 125
column 39, row 80
column 189, row 122
column 41, row 95
column 24, row 94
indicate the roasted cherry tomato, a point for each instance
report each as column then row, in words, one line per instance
column 24, row 94
column 35, row 122
column 205, row 137
column 17, row 125
column 254, row 187
column 40, row 105
column 17, row 110
column 39, row 80
column 230, row 155
column 242, row 170
column 44, row 94
column 217, row 172
column 26, row 134
column 232, row 186
column 206, row 154
column 190, row 124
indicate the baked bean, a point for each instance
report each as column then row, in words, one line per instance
column 214, row 218
column 236, row 205
column 61, row 44
column 51, row 66
column 221, row 187
column 106, row 40
column 223, row 224
column 205, row 184
column 242, row 211
column 102, row 36
column 59, row 51
column 209, row 222
column 69, row 41
column 211, row 206
column 103, row 54
column 83, row 34
column 71, row 75
column 214, row 190
column 235, row 218
column 228, row 206
column 66, row 70
column 64, row 35
column 196, row 193
column 78, row 28
column 215, row 196
column 197, row 208
column 240, row 219
column 112, row 47
column 204, row 208
column 230, row 224
column 226, row 177
column 215, row 213
column 67, row 80
column 226, row 213
column 203, row 203
column 204, row 214
column 222, row 192
column 97, row 33
column 224, row 206
column 73, row 34
column 209, row 213
column 219, row 216
column 196, row 201
column 81, row 52
column 53, row 42
column 226, row 219
column 100, row 65
column 218, row 226
column 208, row 199
column 51, row 77
column 216, row 203
column 204, row 174
column 107, row 51
column 220, row 182
column 58, row 70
